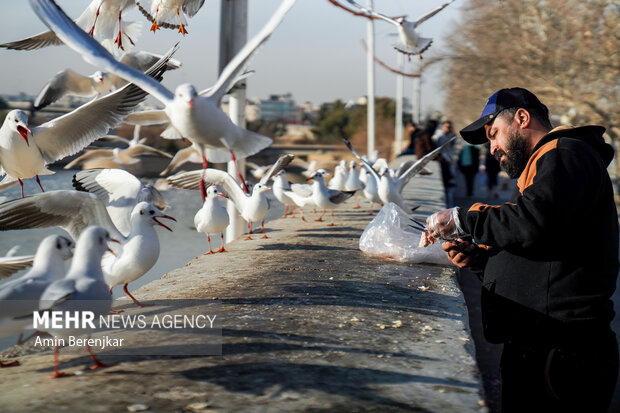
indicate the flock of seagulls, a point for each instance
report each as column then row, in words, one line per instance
column 111, row 216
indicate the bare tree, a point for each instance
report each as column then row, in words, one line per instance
column 566, row 51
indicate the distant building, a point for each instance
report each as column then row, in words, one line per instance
column 278, row 107
column 252, row 109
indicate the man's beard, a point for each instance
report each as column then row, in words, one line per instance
column 516, row 157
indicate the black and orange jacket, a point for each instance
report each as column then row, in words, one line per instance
column 553, row 249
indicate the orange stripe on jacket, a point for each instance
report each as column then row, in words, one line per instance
column 527, row 176
column 480, row 207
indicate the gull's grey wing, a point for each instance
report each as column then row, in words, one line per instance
column 142, row 61
column 403, row 167
column 282, row 162
column 73, row 211
column 182, row 156
column 362, row 160
column 38, row 41
column 191, row 7
column 92, row 52
column 63, row 83
column 373, row 13
column 338, row 197
column 89, row 155
column 236, row 65
column 420, row 164
column 10, row 265
column 431, row 13
column 68, row 134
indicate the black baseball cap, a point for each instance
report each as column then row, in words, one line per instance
column 515, row 97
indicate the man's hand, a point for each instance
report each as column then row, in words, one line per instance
column 462, row 253
column 443, row 224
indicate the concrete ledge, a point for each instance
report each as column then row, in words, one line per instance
column 311, row 325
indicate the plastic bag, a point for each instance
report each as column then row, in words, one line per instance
column 389, row 236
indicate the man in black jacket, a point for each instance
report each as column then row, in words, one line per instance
column 548, row 258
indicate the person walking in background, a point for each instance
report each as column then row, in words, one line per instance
column 446, row 161
column 492, row 169
column 422, row 139
column 410, row 149
column 469, row 162
column 548, row 259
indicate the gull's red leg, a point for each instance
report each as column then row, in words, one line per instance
column 210, row 250
column 181, row 29
column 58, row 374
column 39, row 182
column 241, row 179
column 92, row 29
column 136, row 302
column 222, row 249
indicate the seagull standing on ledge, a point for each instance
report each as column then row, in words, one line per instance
column 82, row 289
column 73, row 211
column 20, row 297
column 195, row 116
column 212, row 217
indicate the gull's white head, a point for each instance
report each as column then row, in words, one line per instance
column 258, row 188
column 62, row 246
column 214, row 191
column 93, row 240
column 18, row 120
column 149, row 214
column 100, row 77
column 186, row 93
column 54, row 246
column 318, row 176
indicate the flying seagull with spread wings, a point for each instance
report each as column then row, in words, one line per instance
column 196, row 116
column 410, row 42
column 102, row 19
column 25, row 152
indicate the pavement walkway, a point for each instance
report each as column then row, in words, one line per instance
column 308, row 324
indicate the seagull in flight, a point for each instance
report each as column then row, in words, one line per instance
column 25, row 152
column 193, row 115
column 69, row 82
column 102, row 19
column 410, row 43
column 166, row 13
column 120, row 191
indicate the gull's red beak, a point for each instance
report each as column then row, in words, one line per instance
column 309, row 179
column 164, row 216
column 111, row 251
column 24, row 131
column 267, row 188
column 190, row 103
column 222, row 195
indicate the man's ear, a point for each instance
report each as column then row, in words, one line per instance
column 523, row 118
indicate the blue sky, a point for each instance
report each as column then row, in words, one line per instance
column 315, row 54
